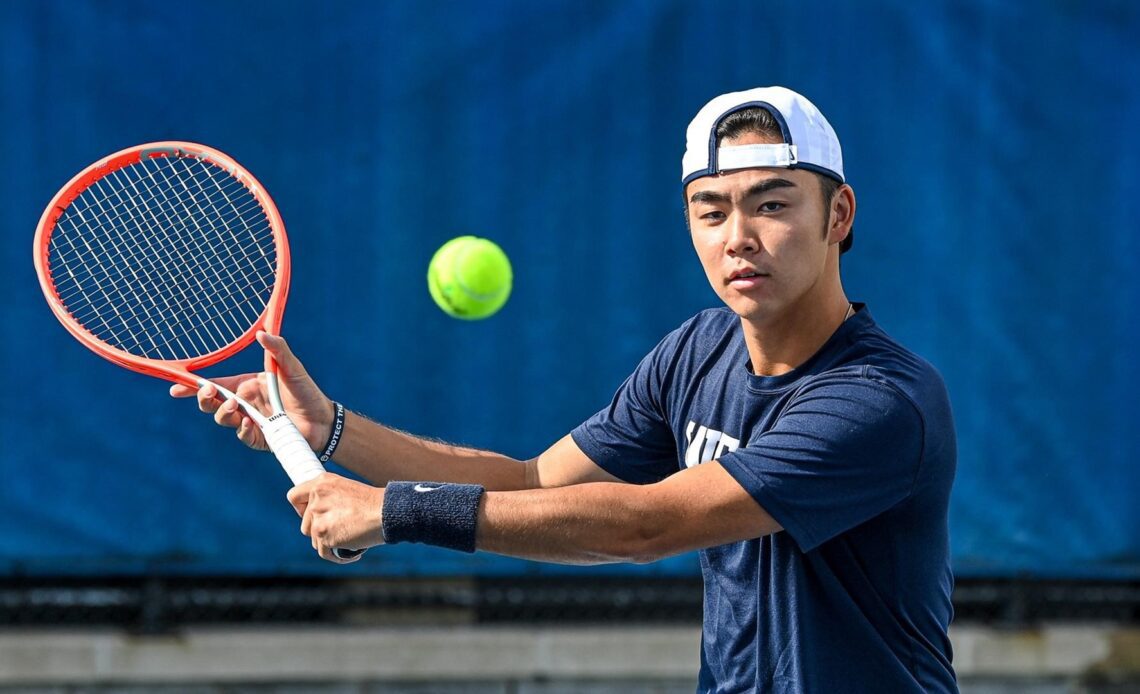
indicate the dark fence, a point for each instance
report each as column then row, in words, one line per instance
column 160, row 605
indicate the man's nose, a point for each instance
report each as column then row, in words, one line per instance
column 740, row 237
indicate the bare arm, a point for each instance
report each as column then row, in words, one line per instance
column 379, row 453
column 557, row 507
column 602, row 523
column 382, row 454
column 588, row 523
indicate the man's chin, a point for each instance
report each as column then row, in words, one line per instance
column 750, row 311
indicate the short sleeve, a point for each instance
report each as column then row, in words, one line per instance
column 844, row 451
column 631, row 438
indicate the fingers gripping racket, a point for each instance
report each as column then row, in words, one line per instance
column 167, row 258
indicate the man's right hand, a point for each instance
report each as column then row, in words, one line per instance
column 311, row 411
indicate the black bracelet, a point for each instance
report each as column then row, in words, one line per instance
column 334, row 435
column 437, row 514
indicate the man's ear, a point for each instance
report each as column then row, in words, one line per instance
column 842, row 214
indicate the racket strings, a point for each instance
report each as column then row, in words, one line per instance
column 201, row 262
column 216, row 338
column 168, row 258
column 118, row 280
column 121, row 213
column 142, row 276
column 129, row 208
column 163, row 260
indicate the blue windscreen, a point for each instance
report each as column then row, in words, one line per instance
column 993, row 147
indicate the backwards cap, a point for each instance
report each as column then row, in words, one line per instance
column 809, row 142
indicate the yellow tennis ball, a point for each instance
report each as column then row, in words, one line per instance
column 470, row 278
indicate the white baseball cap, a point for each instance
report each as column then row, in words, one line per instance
column 809, row 141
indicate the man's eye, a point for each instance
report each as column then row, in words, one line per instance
column 772, row 207
column 714, row 216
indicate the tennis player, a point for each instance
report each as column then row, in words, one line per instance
column 805, row 453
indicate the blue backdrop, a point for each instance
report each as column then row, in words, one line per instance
column 993, row 145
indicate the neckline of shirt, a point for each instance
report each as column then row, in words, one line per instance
column 860, row 320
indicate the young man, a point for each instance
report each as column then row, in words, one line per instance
column 807, row 455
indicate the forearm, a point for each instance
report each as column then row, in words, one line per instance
column 584, row 523
column 604, row 522
column 381, row 454
column 596, row 523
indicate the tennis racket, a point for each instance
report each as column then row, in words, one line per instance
column 166, row 258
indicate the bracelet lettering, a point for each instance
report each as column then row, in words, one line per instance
column 335, row 434
column 437, row 514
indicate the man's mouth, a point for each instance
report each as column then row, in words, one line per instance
column 745, row 275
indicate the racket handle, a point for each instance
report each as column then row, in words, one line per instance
column 291, row 449
column 298, row 460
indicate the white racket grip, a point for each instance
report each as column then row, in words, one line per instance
column 291, row 449
column 299, row 461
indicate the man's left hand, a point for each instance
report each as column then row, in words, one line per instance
column 338, row 512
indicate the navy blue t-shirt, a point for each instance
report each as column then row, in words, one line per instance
column 853, row 453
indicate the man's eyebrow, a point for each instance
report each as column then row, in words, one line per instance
column 770, row 184
column 708, row 196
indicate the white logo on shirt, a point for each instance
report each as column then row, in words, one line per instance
column 707, row 444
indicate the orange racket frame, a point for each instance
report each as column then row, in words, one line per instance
column 284, row 440
column 177, row 371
